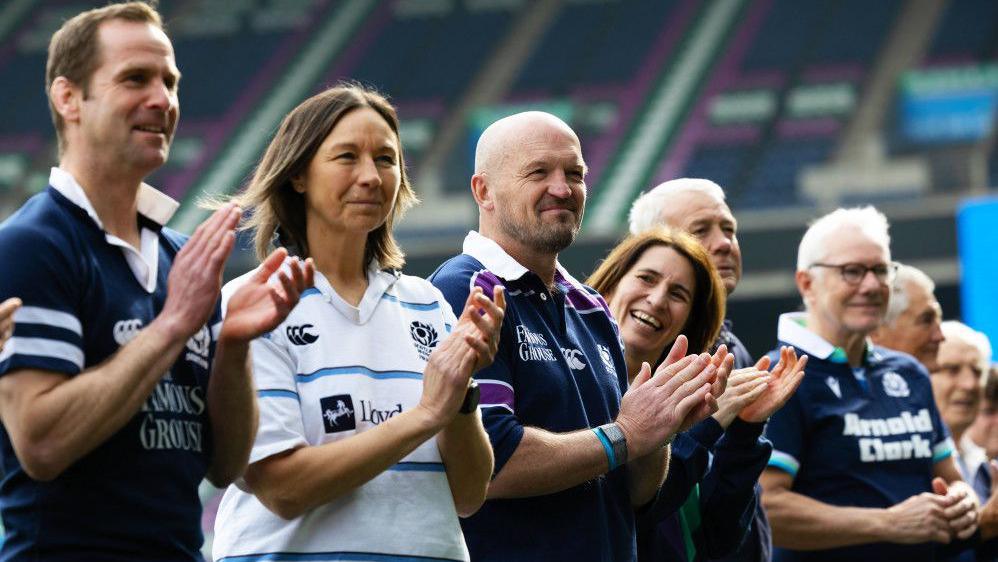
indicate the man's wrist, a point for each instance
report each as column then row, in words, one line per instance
column 614, row 444
column 168, row 329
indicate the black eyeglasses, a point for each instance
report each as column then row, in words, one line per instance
column 854, row 273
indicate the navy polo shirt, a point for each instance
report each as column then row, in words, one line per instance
column 134, row 497
column 560, row 367
column 866, row 438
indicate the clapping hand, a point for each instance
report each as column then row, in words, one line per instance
column 259, row 305
column 780, row 386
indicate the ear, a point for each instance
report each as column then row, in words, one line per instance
column 805, row 283
column 297, row 184
column 480, row 190
column 66, row 98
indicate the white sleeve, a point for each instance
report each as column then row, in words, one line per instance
column 281, row 427
column 448, row 313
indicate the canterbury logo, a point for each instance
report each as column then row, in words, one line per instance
column 299, row 335
column 126, row 330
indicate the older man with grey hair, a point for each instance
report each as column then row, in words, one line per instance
column 913, row 316
column 862, row 467
column 958, row 381
column 958, row 378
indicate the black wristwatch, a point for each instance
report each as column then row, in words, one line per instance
column 471, row 398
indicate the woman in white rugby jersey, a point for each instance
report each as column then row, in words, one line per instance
column 370, row 444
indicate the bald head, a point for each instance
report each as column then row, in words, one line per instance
column 529, row 184
column 499, row 139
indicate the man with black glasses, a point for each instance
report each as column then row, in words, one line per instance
column 862, row 466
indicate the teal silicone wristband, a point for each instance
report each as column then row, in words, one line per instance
column 607, row 447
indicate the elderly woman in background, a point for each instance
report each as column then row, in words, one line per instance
column 662, row 289
column 370, row 442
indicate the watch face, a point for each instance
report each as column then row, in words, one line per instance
column 471, row 398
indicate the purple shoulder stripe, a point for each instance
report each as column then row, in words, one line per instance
column 579, row 298
column 486, row 280
column 494, row 393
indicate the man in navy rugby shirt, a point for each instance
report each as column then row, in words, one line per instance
column 575, row 449
column 121, row 388
column 862, row 466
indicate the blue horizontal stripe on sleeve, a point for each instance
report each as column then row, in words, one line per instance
column 278, row 393
column 412, row 305
column 784, row 462
column 418, row 467
column 359, row 370
column 332, row 557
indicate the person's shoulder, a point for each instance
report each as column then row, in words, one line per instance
column 42, row 214
column 456, row 277
column 461, row 266
column 41, row 228
column 585, row 300
column 411, row 287
column 899, row 362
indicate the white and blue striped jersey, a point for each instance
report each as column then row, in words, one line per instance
column 330, row 371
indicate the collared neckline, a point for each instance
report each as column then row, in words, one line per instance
column 792, row 329
column 151, row 203
column 972, row 455
column 379, row 281
column 495, row 259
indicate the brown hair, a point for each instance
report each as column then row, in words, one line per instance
column 709, row 296
column 74, row 50
column 991, row 385
column 277, row 209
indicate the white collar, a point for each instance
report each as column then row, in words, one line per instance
column 496, row 260
column 792, row 329
column 151, row 203
column 378, row 283
column 155, row 206
column 973, row 455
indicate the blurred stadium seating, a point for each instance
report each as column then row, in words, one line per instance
column 778, row 84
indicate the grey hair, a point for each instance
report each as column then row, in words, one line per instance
column 953, row 330
column 867, row 220
column 900, row 299
column 646, row 211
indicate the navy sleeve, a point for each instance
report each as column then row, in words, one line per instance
column 495, row 382
column 728, row 494
column 41, row 270
column 687, row 465
column 786, row 431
